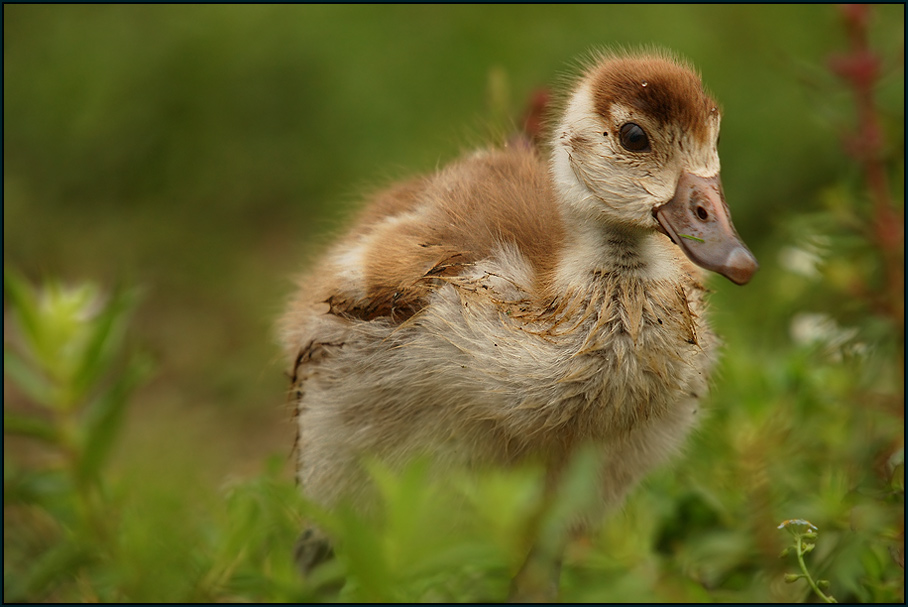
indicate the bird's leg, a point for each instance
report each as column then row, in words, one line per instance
column 312, row 548
column 538, row 578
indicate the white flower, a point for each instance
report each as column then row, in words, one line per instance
column 805, row 258
column 797, row 521
column 807, row 328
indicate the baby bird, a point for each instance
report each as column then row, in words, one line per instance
column 518, row 305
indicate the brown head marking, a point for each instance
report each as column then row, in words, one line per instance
column 663, row 89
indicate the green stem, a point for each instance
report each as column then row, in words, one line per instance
column 807, row 577
column 87, row 490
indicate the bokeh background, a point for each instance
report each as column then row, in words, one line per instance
column 207, row 153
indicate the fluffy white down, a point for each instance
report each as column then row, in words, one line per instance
column 479, row 378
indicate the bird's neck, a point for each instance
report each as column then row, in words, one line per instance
column 625, row 252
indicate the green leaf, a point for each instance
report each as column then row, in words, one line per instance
column 52, row 568
column 32, row 427
column 50, row 489
column 689, row 237
column 25, row 305
column 361, row 550
column 35, row 386
column 105, row 414
column 105, row 340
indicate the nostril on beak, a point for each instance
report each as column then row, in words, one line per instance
column 702, row 214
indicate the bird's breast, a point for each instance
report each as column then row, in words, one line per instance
column 592, row 364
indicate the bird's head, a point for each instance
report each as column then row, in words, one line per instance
column 636, row 147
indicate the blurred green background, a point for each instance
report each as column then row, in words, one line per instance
column 205, row 153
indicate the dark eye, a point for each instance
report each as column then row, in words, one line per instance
column 634, row 138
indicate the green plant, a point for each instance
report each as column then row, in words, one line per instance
column 456, row 538
column 67, row 356
column 804, row 542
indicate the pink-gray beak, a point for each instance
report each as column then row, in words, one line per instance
column 697, row 220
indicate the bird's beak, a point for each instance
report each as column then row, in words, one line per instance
column 697, row 220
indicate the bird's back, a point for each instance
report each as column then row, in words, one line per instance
column 433, row 227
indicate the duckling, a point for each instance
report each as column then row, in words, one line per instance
column 520, row 304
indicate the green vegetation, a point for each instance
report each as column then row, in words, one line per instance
column 204, row 153
column 803, row 544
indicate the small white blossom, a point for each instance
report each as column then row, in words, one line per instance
column 808, row 328
column 805, row 258
column 797, row 521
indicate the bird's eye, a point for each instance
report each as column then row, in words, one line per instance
column 634, row 138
